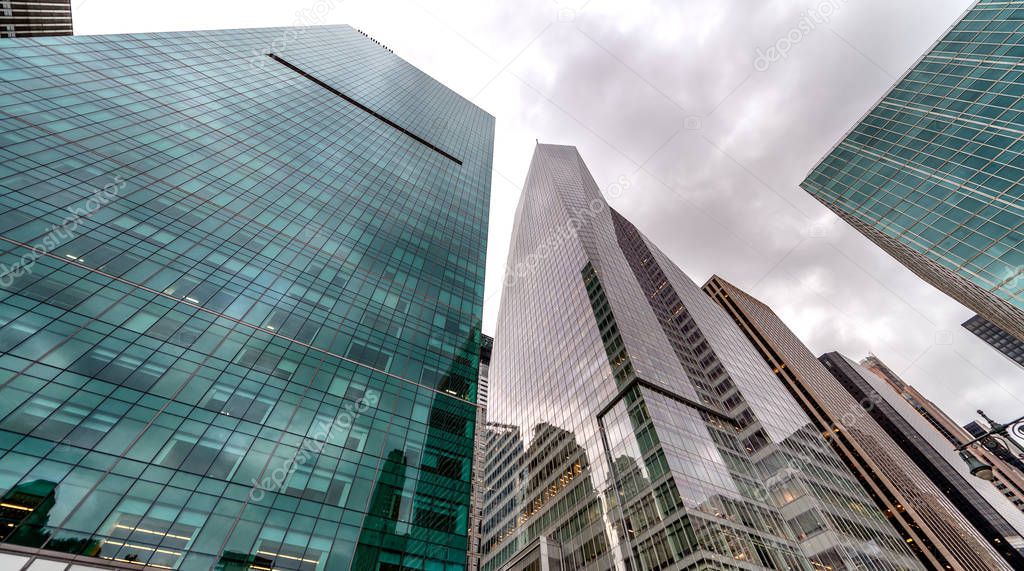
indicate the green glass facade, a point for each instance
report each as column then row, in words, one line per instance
column 242, row 280
column 933, row 172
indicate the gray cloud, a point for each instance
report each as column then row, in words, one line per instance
column 667, row 93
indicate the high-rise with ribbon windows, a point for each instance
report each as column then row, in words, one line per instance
column 35, row 18
column 932, row 174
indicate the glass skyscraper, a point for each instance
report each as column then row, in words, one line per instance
column 932, row 174
column 242, row 282
column 631, row 425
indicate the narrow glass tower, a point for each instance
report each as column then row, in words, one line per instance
column 632, row 424
column 242, row 277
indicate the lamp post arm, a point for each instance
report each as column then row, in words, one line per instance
column 973, row 441
column 1000, row 429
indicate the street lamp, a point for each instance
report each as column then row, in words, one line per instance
column 978, row 468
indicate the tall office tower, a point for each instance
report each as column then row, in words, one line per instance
column 989, row 513
column 926, row 521
column 932, row 173
column 634, row 426
column 1005, row 476
column 34, row 18
column 479, row 454
column 242, row 281
column 997, row 337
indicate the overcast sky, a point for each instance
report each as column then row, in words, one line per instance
column 713, row 129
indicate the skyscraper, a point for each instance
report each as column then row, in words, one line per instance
column 995, row 521
column 242, row 283
column 932, row 173
column 926, row 521
column 34, row 18
column 935, row 416
column 634, row 426
column 997, row 337
column 1006, row 476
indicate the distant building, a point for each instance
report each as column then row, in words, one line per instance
column 486, row 347
column 934, row 456
column 1007, row 477
column 502, row 454
column 480, row 439
column 943, row 424
column 926, row 522
column 33, row 18
column 997, row 337
column 932, row 174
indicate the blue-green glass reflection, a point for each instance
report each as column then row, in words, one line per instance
column 239, row 320
column 933, row 173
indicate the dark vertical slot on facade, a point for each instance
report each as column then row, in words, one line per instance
column 380, row 117
column 618, row 357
